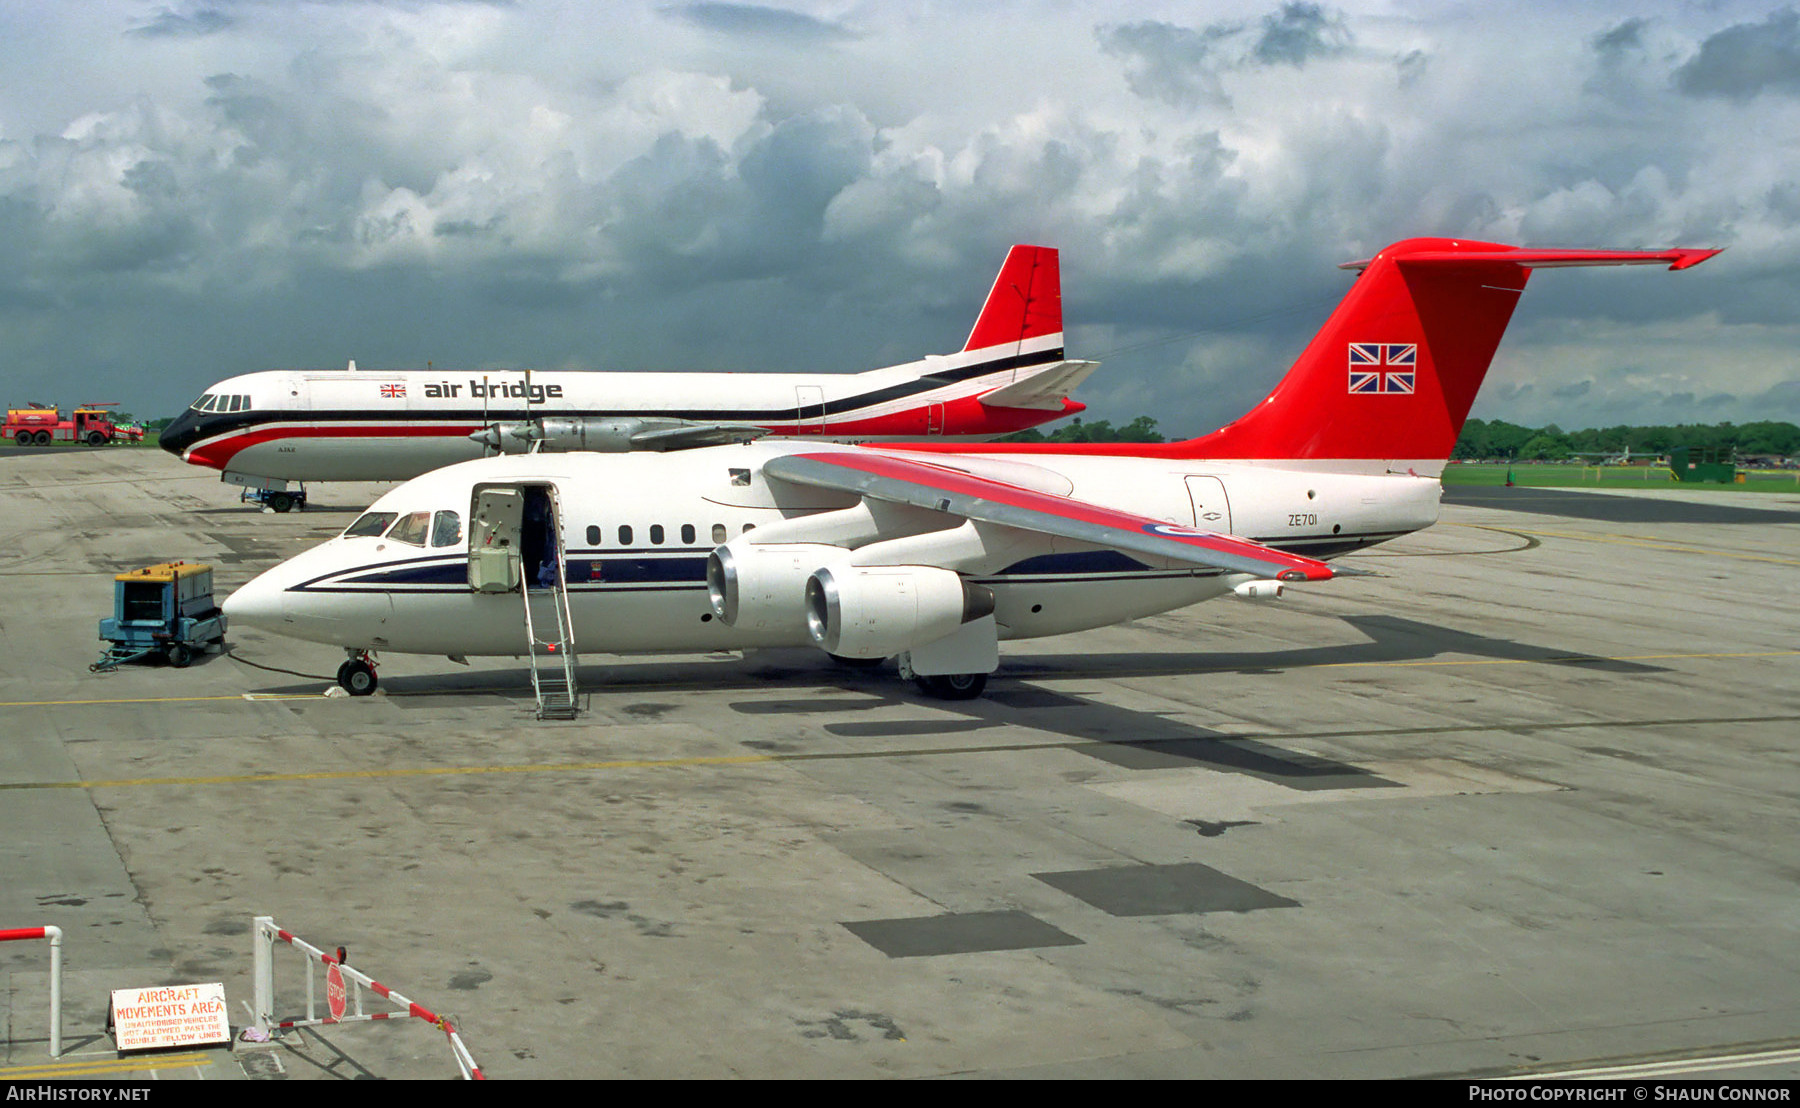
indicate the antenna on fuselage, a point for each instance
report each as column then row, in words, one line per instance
column 537, row 443
column 488, row 427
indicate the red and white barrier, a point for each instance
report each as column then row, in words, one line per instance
column 54, row 934
column 341, row 1008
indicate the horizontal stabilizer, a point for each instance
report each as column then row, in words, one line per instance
column 1676, row 258
column 1043, row 389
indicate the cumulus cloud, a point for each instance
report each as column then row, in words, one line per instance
column 1177, row 65
column 172, row 24
column 1183, row 66
column 797, row 28
column 1745, row 59
column 1622, row 40
column 1300, row 32
column 217, row 187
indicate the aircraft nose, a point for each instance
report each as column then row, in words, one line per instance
column 260, row 602
column 180, row 433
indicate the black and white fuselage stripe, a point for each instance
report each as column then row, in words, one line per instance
column 374, row 425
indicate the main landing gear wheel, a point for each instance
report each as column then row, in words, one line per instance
column 357, row 677
column 953, row 686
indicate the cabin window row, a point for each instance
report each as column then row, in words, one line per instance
column 659, row 534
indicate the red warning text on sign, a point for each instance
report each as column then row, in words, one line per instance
column 169, row 1015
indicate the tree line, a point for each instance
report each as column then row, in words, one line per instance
column 1496, row 438
column 1141, row 429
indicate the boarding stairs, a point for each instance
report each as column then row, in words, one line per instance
column 550, row 633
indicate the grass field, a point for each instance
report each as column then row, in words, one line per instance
column 1554, row 476
column 1611, row 477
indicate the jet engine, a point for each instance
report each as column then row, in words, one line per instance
column 877, row 611
column 755, row 586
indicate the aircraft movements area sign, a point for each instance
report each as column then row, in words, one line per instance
column 169, row 1015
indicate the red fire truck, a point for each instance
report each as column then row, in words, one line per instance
column 41, row 425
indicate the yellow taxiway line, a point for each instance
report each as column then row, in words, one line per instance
column 69, row 1070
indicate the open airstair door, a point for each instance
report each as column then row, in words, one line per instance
column 516, row 543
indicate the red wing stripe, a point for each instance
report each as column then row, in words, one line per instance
column 926, row 485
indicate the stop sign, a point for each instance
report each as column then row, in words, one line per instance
column 334, row 991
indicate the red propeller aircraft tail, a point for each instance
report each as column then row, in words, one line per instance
column 1025, row 302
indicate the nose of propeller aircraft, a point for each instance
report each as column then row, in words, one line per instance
column 181, row 433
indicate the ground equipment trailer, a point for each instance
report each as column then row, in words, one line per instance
column 165, row 610
column 275, row 499
column 41, row 425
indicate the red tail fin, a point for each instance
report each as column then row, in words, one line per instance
column 1394, row 370
column 1025, row 302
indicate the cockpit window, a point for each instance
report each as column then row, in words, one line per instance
column 221, row 402
column 370, row 524
column 446, row 529
column 411, row 529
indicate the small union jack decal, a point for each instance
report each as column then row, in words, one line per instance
column 393, row 391
column 1383, row 367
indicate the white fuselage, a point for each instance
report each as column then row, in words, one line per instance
column 636, row 530
column 373, row 425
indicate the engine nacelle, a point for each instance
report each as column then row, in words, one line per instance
column 877, row 611
column 1257, row 590
column 759, row 586
column 612, row 435
column 606, row 436
column 558, row 434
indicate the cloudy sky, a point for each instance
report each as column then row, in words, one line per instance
column 191, row 189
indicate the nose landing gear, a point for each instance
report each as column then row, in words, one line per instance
column 357, row 674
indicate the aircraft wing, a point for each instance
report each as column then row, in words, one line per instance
column 921, row 484
column 1041, row 390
